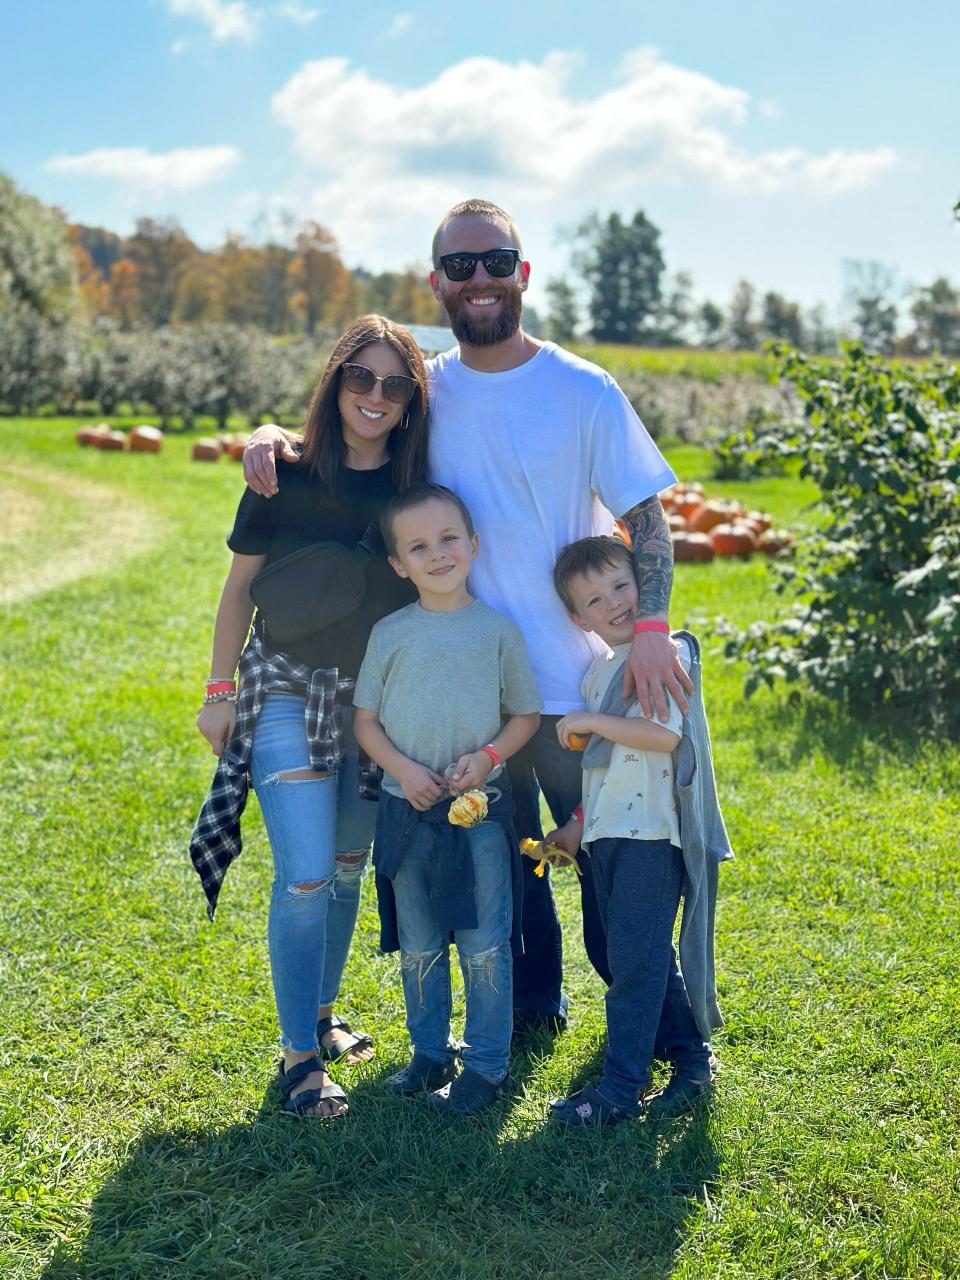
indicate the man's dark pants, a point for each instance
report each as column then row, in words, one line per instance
column 538, row 973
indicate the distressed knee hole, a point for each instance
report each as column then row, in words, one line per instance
column 301, row 775
column 420, row 963
column 307, row 888
column 479, row 968
column 351, row 865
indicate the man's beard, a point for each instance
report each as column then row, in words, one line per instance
column 478, row 330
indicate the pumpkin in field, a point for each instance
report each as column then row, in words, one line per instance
column 206, row 450
column 716, row 511
column 732, row 540
column 146, row 439
column 111, row 440
column 761, row 519
column 676, row 524
column 687, row 505
column 692, row 547
column 236, row 447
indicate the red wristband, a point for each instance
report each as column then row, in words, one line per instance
column 578, row 814
column 492, row 753
column 651, row 624
column 221, row 686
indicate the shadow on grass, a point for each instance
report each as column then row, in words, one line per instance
column 786, row 734
column 394, row 1191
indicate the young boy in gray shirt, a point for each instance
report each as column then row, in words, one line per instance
column 445, row 695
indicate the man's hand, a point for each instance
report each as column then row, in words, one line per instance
column 267, row 443
column 568, row 836
column 216, row 721
column 471, row 771
column 421, row 786
column 653, row 668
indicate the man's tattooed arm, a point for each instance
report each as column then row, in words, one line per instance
column 652, row 556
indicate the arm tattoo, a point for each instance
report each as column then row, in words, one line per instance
column 652, row 556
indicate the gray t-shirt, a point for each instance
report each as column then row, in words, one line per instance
column 443, row 684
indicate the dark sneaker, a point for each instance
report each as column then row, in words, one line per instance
column 468, row 1094
column 589, row 1109
column 421, row 1075
column 679, row 1096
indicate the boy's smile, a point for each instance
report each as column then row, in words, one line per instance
column 605, row 601
column 435, row 551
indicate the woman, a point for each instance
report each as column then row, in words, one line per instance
column 289, row 721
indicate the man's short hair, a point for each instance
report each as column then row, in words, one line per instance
column 588, row 555
column 481, row 209
column 416, row 495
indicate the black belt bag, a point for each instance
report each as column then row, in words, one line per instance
column 311, row 589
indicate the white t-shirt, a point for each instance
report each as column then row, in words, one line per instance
column 542, row 455
column 633, row 797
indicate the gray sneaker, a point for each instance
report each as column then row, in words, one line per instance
column 421, row 1075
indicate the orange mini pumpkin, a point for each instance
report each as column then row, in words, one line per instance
column 206, row 450
column 732, row 540
column 691, row 547
column 146, row 439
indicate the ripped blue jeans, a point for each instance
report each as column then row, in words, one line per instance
column 485, row 956
column 320, row 832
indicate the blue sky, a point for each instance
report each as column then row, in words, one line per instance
column 767, row 141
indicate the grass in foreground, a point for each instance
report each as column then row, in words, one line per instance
column 138, row 1136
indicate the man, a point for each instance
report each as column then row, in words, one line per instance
column 542, row 447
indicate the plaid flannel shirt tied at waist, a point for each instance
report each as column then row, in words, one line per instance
column 216, row 841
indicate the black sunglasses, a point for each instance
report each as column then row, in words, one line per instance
column 358, row 379
column 496, row 262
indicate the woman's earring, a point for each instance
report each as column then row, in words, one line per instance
column 404, row 422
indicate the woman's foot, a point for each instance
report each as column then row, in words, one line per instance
column 339, row 1042
column 318, row 1095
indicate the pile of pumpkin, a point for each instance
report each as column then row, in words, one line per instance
column 140, row 440
column 210, row 448
column 702, row 527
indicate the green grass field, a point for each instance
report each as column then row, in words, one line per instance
column 138, row 1134
column 686, row 362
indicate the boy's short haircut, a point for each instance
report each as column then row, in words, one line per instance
column 588, row 555
column 415, row 495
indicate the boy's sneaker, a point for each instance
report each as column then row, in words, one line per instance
column 421, row 1075
column 589, row 1109
column 681, row 1093
column 468, row 1094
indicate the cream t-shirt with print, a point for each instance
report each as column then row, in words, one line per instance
column 633, row 797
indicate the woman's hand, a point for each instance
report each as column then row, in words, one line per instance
column 574, row 722
column 421, row 786
column 470, row 772
column 217, row 721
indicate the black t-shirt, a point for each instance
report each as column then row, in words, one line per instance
column 304, row 512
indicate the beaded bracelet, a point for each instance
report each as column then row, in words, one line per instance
column 225, row 696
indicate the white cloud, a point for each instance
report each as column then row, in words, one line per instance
column 298, row 13
column 520, row 134
column 401, row 22
column 227, row 19
column 177, row 170
column 178, row 47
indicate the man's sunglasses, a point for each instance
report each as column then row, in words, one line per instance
column 496, row 262
column 397, row 387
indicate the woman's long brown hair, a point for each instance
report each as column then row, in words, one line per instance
column 324, row 449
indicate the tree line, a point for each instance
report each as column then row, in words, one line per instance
column 90, row 317
column 618, row 289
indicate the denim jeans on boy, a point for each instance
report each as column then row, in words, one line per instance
column 312, row 823
column 484, row 952
column 638, row 885
column 538, row 973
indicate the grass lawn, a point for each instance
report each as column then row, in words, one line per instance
column 138, row 1137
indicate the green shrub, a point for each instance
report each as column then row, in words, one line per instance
column 874, row 618
column 760, row 447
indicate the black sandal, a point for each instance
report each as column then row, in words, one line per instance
column 299, row 1104
column 358, row 1039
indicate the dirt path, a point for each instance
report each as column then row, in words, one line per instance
column 56, row 529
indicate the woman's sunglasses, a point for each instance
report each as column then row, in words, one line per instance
column 496, row 262
column 397, row 387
